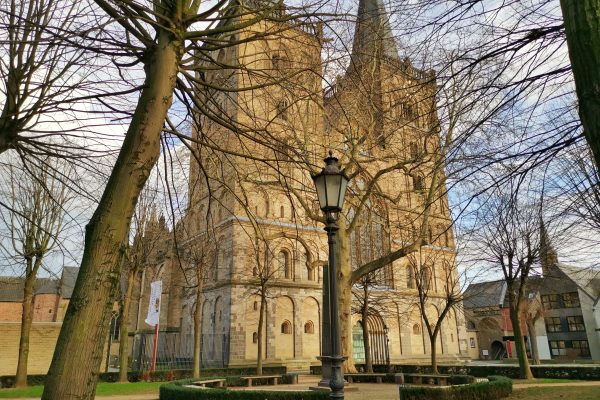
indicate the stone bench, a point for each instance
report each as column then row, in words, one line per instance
column 210, row 383
column 271, row 379
column 351, row 377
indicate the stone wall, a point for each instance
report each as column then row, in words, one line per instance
column 42, row 342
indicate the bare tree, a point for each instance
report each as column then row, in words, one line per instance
column 510, row 240
column 35, row 220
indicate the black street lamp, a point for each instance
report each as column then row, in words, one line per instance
column 331, row 184
column 386, row 331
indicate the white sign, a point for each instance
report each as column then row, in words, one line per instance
column 154, row 304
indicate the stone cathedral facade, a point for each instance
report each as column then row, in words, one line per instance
column 252, row 232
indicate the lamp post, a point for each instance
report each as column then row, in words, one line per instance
column 331, row 184
column 386, row 330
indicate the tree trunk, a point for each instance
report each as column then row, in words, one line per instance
column 582, row 27
column 74, row 369
column 259, row 334
column 197, row 325
column 26, row 321
column 433, row 341
column 367, row 345
column 345, row 295
column 124, row 328
column 514, row 308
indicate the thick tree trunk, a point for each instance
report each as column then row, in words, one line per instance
column 197, row 326
column 259, row 334
column 124, row 329
column 26, row 321
column 582, row 26
column 345, row 295
column 514, row 308
column 78, row 354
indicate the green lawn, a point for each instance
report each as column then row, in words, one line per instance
column 103, row 389
column 564, row 393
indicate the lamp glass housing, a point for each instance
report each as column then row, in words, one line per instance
column 331, row 184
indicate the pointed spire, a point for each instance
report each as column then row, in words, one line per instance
column 548, row 256
column 373, row 36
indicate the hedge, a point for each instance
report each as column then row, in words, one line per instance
column 584, row 372
column 8, row 381
column 497, row 387
column 176, row 391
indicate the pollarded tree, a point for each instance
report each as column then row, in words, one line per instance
column 36, row 203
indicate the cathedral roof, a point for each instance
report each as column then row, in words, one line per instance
column 373, row 36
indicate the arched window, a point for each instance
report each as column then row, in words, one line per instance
column 282, row 107
column 115, row 326
column 254, row 337
column 255, row 305
column 286, row 327
column 471, row 325
column 254, row 271
column 284, row 264
column 416, row 329
column 430, row 235
column 309, row 327
column 410, row 277
column 282, row 212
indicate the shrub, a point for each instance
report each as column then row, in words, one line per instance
column 176, row 391
column 497, row 387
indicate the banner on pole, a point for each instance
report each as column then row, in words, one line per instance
column 154, row 304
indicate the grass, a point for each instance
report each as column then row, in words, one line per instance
column 103, row 389
column 564, row 393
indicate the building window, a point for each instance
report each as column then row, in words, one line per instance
column 571, row 300
column 472, row 342
column 276, row 61
column 255, row 305
column 282, row 212
column 254, row 337
column 557, row 347
column 309, row 327
column 282, row 107
column 418, row 182
column 410, row 277
column 416, row 329
column 284, row 264
column 576, row 323
column 550, row 301
column 553, row 324
column 471, row 325
column 414, row 151
column 286, row 328
column 115, row 326
column 452, row 337
column 583, row 347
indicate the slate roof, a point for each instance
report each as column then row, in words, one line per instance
column 11, row 287
column 484, row 294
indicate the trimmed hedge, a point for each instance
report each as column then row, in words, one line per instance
column 497, row 387
column 584, row 372
column 176, row 391
column 8, row 381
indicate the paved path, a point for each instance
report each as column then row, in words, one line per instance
column 533, row 384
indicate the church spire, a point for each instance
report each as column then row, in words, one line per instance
column 373, row 36
column 548, row 256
